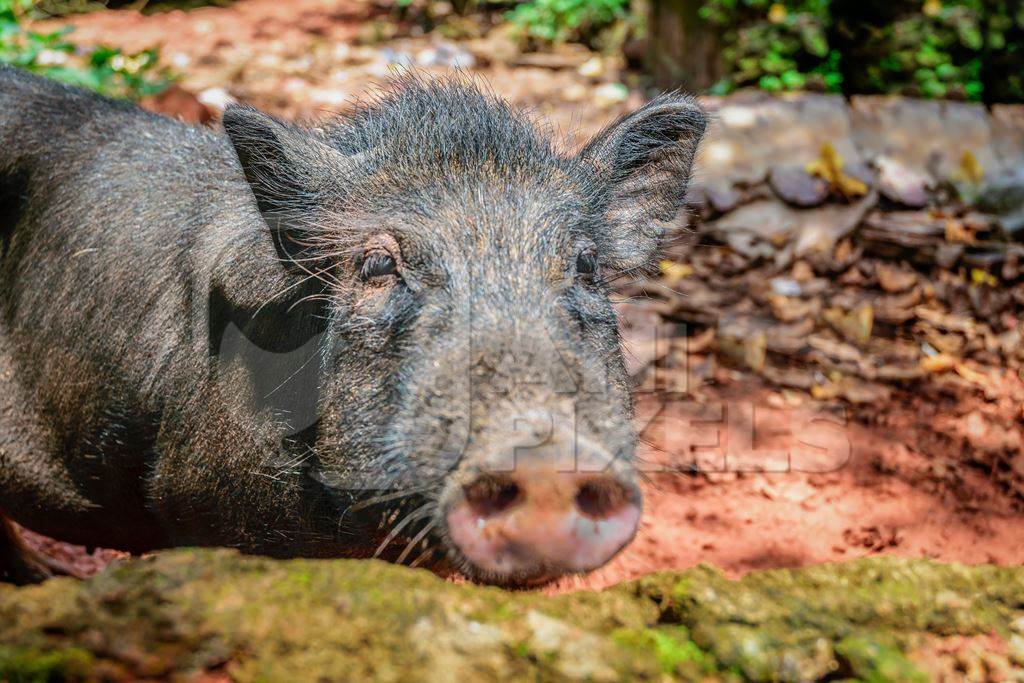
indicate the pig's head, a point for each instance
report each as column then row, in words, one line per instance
column 471, row 382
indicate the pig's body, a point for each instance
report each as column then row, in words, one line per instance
column 106, row 214
column 169, row 374
column 115, row 223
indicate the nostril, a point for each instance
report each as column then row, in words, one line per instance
column 489, row 495
column 599, row 498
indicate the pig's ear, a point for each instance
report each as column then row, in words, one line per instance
column 288, row 169
column 271, row 155
column 644, row 161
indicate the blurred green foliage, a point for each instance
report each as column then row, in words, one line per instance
column 776, row 45
column 971, row 49
column 967, row 49
column 560, row 20
column 59, row 8
column 964, row 49
column 108, row 70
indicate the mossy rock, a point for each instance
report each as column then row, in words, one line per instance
column 184, row 613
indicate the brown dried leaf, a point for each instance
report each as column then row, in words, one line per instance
column 893, row 278
column 838, row 350
column 855, row 325
column 853, row 390
column 940, row 362
column 788, row 309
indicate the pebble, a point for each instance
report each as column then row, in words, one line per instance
column 1017, row 649
column 902, row 184
column 216, row 98
column 610, row 94
column 785, row 286
column 592, row 68
column 445, row 55
column 723, row 198
column 796, row 186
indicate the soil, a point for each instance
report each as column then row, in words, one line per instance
column 914, row 475
column 894, row 481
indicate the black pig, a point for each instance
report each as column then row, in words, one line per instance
column 386, row 335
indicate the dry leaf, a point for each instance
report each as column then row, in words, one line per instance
column 851, row 389
column 777, row 13
column 674, row 272
column 855, row 325
column 788, row 309
column 892, row 278
column 755, row 348
column 940, row 362
column 971, row 375
column 983, row 277
column 970, row 168
column 829, row 166
column 959, row 233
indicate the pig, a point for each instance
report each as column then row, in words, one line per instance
column 388, row 334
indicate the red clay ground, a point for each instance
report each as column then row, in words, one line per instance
column 902, row 482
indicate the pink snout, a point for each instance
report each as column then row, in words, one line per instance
column 536, row 523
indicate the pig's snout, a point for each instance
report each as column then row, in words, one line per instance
column 537, row 521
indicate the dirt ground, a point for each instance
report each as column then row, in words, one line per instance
column 916, row 474
column 888, row 479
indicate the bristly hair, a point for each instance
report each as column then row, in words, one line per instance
column 423, row 130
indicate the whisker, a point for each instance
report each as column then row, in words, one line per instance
column 397, row 529
column 367, row 502
column 422, row 557
column 412, row 544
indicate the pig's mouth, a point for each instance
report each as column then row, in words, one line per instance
column 536, row 526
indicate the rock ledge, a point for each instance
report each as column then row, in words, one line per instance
column 186, row 613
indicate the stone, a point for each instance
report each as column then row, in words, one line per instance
column 445, row 55
column 822, row 228
column 785, row 286
column 1004, row 197
column 610, row 94
column 757, row 229
column 764, row 228
column 216, row 98
column 751, row 131
column 926, row 136
column 902, row 184
column 796, row 186
column 203, row 614
column 723, row 197
column 1008, row 133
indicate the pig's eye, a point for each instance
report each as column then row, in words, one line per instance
column 378, row 264
column 586, row 263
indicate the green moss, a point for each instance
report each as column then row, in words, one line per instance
column 30, row 665
column 671, row 646
column 877, row 663
column 188, row 611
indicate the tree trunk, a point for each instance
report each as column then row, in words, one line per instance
column 682, row 48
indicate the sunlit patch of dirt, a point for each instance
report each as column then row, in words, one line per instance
column 309, row 59
column 965, row 658
column 905, row 486
column 79, row 560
